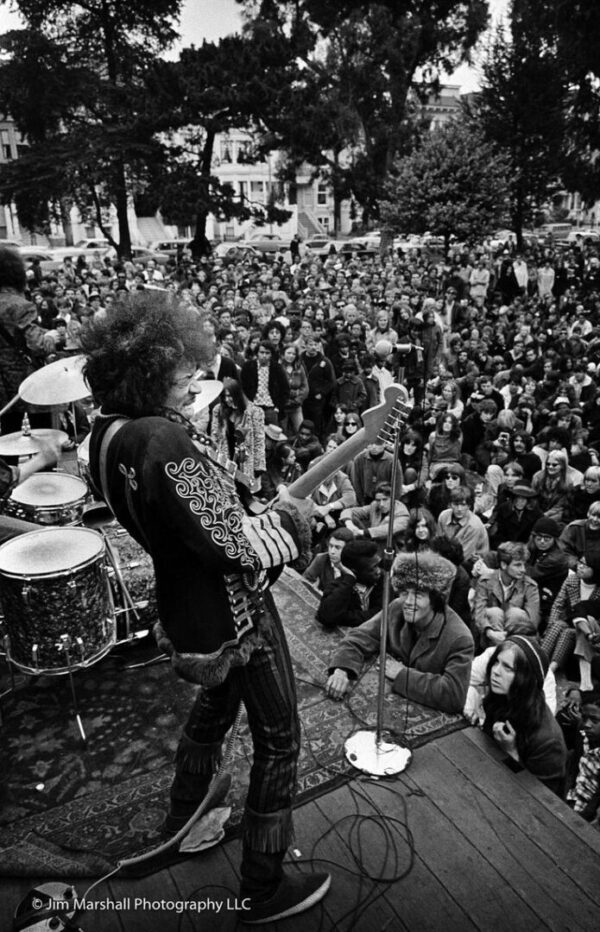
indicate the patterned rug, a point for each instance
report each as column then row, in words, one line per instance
column 66, row 810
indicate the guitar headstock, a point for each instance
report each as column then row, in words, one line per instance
column 382, row 421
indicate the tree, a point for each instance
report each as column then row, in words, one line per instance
column 521, row 112
column 360, row 59
column 72, row 80
column 211, row 90
column 572, row 29
column 453, row 184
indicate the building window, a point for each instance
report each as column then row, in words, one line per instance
column 324, row 221
column 242, row 190
column 322, row 194
column 257, row 191
column 5, row 143
column 244, row 153
column 225, row 150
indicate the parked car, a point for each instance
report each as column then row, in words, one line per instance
column 99, row 244
column 171, row 245
column 589, row 236
column 410, row 243
column 52, row 259
column 322, row 245
column 142, row 255
column 267, row 242
column 236, row 252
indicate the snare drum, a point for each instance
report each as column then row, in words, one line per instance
column 53, row 582
column 51, row 498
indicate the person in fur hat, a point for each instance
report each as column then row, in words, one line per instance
column 430, row 647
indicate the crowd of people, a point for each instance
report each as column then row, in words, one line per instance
column 496, row 511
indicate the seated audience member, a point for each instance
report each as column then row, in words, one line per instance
column 520, row 447
column 326, row 567
column 331, row 497
column 357, row 594
column 370, row 467
column 547, row 565
column 551, row 484
column 306, row 444
column 430, row 647
column 515, row 517
column 582, row 536
column 517, row 715
column 420, row 530
column 583, row 793
column 443, row 483
column 586, row 622
column 580, row 586
column 282, row 469
column 473, row 709
column 458, row 597
column 459, row 523
column 445, row 442
column 371, row 521
column 506, row 600
column 581, row 497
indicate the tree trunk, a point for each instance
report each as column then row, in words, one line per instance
column 200, row 245
column 121, row 204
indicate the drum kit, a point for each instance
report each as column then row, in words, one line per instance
column 65, row 593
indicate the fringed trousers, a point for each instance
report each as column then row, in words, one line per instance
column 266, row 687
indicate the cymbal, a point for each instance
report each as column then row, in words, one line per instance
column 18, row 444
column 206, row 391
column 58, row 383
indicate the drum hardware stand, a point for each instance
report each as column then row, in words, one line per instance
column 65, row 644
column 366, row 750
column 129, row 604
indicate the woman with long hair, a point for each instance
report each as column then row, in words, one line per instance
column 420, row 531
column 445, row 442
column 551, row 485
column 238, row 432
column 281, row 470
column 517, row 716
column 451, row 395
column 296, row 376
column 444, row 483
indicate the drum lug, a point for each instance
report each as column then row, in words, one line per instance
column 26, row 593
column 72, row 584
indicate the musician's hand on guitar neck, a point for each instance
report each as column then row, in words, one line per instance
column 305, row 506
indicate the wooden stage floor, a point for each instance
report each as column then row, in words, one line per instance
column 457, row 842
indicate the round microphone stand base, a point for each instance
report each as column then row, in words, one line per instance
column 378, row 758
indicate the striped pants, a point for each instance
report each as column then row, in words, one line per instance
column 558, row 642
column 266, row 687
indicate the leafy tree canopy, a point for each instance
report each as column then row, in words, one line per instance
column 453, row 184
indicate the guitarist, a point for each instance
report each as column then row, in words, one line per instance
column 214, row 565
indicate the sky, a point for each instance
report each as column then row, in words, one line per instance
column 211, row 19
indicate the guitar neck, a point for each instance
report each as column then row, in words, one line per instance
column 383, row 432
column 306, row 484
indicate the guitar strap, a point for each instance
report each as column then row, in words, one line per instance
column 109, row 434
column 113, row 428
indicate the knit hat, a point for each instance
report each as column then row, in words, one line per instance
column 423, row 571
column 536, row 657
column 546, row 526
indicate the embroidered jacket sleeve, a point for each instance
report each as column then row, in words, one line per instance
column 200, row 501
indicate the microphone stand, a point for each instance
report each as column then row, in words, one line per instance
column 367, row 750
